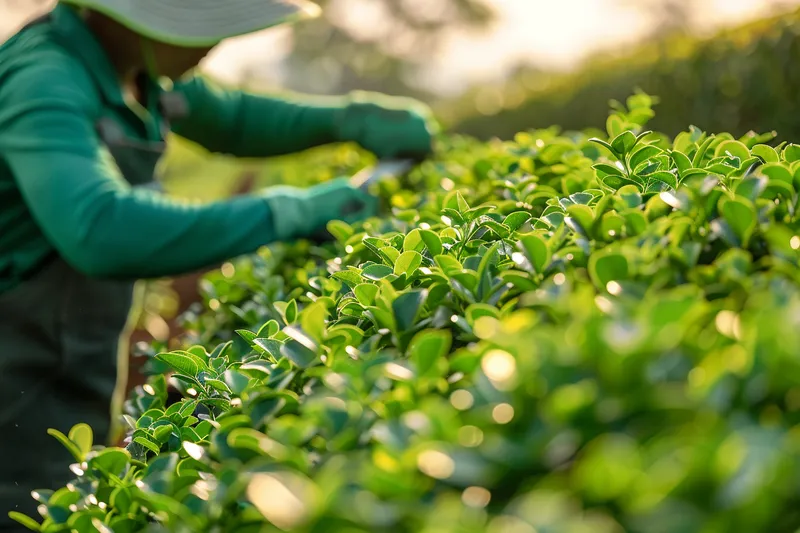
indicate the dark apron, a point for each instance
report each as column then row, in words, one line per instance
column 63, row 356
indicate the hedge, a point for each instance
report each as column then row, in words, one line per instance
column 745, row 78
column 561, row 333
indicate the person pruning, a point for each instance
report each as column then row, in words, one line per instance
column 88, row 93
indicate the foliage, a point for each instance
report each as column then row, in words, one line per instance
column 563, row 333
column 739, row 80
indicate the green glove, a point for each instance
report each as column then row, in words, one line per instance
column 389, row 127
column 303, row 213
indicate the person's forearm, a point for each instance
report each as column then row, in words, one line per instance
column 203, row 237
column 245, row 124
column 108, row 231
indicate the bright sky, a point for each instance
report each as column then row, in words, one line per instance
column 554, row 33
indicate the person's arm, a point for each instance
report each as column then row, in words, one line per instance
column 244, row 124
column 90, row 214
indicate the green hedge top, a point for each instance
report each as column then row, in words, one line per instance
column 555, row 334
column 745, row 78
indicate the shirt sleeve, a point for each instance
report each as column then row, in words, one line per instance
column 89, row 213
column 243, row 124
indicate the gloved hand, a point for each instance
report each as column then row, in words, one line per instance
column 302, row 213
column 388, row 127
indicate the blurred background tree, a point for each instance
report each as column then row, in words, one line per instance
column 374, row 45
column 667, row 17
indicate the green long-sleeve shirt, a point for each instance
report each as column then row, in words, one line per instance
column 61, row 192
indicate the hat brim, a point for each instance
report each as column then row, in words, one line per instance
column 200, row 23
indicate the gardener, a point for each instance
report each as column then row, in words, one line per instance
column 87, row 94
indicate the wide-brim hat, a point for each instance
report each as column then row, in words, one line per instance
column 200, row 23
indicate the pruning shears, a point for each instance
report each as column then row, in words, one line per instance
column 382, row 170
column 368, row 177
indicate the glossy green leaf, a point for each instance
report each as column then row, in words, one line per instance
column 413, row 241
column 406, row 307
column 536, row 251
column 668, row 178
column 428, row 349
column 366, row 293
column 291, row 312
column 791, row 153
column 408, row 263
column 516, row 220
column 258, row 369
column 477, row 311
column 121, row 500
column 766, row 152
column 583, row 214
column 624, row 142
column 111, row 461
column 448, row 264
column 611, row 170
column 148, row 444
column 432, row 242
column 614, row 125
column 389, row 255
column 181, row 361
column 65, row 441
column 312, row 320
column 463, row 206
column 350, row 277
column 270, row 328
column 340, row 230
column 376, row 272
column 643, row 154
column 608, row 267
column 741, row 217
column 734, row 149
column 24, row 520
column 299, row 353
column 777, row 171
column 83, row 437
